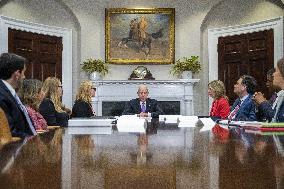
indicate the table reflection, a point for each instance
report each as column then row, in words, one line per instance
column 164, row 157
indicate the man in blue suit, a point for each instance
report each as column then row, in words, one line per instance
column 266, row 108
column 12, row 72
column 244, row 107
column 143, row 106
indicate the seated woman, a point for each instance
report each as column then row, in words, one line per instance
column 51, row 107
column 31, row 96
column 278, row 81
column 82, row 106
column 220, row 106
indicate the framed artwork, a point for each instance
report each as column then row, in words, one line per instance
column 140, row 36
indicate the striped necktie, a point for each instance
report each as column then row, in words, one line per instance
column 24, row 110
column 235, row 111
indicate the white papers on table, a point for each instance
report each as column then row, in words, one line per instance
column 208, row 124
column 89, row 130
column 241, row 123
column 89, row 122
column 131, row 124
column 169, row 118
column 187, row 121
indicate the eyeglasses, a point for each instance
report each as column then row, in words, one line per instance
column 60, row 86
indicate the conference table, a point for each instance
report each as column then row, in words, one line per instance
column 166, row 156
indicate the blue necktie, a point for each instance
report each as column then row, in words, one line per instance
column 143, row 107
column 24, row 110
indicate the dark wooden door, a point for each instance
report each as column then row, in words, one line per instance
column 43, row 52
column 250, row 54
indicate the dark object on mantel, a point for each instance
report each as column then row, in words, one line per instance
column 141, row 73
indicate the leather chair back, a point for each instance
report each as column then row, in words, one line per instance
column 5, row 133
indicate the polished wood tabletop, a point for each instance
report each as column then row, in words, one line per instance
column 165, row 157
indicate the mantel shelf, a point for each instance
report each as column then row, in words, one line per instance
column 151, row 82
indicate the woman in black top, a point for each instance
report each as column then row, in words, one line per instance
column 82, row 106
column 51, row 107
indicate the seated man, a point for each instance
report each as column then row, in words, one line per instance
column 244, row 108
column 266, row 107
column 12, row 72
column 143, row 105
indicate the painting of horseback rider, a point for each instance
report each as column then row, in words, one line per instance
column 140, row 37
column 134, row 29
column 143, row 24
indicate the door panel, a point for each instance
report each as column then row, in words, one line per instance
column 250, row 54
column 43, row 52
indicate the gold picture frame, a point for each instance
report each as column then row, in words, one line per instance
column 140, row 36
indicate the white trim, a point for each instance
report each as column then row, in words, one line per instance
column 213, row 34
column 66, row 34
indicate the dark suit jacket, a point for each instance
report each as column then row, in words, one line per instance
column 52, row 117
column 82, row 109
column 133, row 107
column 247, row 110
column 265, row 111
column 18, row 124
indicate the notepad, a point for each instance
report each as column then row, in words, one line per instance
column 131, row 124
column 169, row 119
column 85, row 122
column 89, row 130
column 208, row 124
column 187, row 121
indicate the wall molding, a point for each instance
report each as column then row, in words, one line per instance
column 213, row 34
column 65, row 33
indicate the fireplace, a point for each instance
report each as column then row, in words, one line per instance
column 115, row 108
column 174, row 96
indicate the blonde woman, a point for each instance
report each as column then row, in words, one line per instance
column 51, row 107
column 220, row 106
column 82, row 106
column 31, row 96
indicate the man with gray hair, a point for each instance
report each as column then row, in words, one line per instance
column 143, row 106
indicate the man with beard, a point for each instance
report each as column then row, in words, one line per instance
column 12, row 72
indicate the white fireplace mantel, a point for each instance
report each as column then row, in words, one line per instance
column 161, row 90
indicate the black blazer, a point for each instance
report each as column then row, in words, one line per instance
column 18, row 124
column 52, row 117
column 82, row 109
column 133, row 107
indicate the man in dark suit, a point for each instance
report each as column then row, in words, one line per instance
column 266, row 107
column 244, row 107
column 12, row 72
column 143, row 105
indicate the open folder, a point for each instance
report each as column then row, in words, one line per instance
column 91, row 122
column 131, row 124
column 187, row 121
